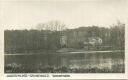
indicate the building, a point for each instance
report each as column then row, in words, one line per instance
column 63, row 41
column 95, row 41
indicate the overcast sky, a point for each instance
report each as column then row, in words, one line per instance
column 26, row 14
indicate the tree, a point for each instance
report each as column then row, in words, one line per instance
column 51, row 26
column 117, row 35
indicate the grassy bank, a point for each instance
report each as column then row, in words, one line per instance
column 119, row 68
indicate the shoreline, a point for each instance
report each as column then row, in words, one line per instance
column 72, row 52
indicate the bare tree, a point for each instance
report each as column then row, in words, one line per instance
column 52, row 26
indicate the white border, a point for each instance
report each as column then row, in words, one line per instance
column 72, row 76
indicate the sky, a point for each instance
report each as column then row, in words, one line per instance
column 26, row 14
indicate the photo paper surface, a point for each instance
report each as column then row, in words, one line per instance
column 64, row 39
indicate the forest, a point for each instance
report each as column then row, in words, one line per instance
column 39, row 40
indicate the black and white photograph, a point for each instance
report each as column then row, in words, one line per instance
column 85, row 36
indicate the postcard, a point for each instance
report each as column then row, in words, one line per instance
column 63, row 39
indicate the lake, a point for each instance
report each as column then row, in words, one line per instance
column 113, row 61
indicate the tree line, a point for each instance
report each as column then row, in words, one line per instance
column 48, row 39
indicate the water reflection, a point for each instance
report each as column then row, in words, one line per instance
column 72, row 61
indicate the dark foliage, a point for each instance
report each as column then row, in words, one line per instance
column 45, row 40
